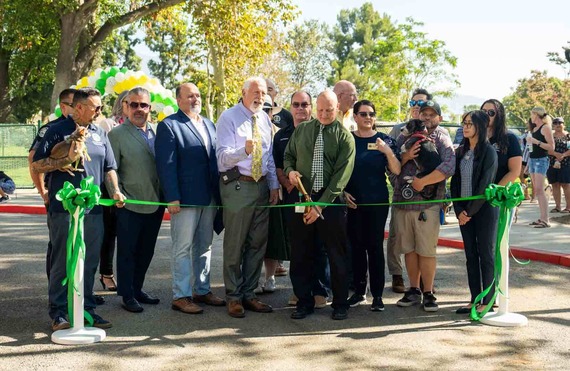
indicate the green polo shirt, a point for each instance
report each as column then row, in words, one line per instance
column 338, row 156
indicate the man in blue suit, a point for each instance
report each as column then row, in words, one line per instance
column 186, row 164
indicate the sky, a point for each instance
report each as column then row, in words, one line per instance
column 496, row 42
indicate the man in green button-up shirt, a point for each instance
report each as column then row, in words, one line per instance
column 338, row 162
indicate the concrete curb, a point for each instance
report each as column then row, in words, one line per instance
column 517, row 252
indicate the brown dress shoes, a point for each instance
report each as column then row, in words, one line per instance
column 185, row 305
column 209, row 299
column 235, row 309
column 257, row 306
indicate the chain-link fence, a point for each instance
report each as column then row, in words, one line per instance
column 15, row 140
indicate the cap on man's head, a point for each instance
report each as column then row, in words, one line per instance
column 268, row 102
column 433, row 105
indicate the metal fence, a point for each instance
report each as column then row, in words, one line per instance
column 15, row 141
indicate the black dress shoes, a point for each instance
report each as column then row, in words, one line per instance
column 147, row 299
column 340, row 314
column 301, row 313
column 132, row 305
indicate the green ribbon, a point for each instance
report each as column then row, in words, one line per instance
column 75, row 201
column 109, row 202
column 506, row 198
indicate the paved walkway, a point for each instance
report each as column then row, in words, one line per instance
column 550, row 245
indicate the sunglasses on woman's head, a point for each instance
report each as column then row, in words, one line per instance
column 490, row 112
column 419, row 103
column 366, row 114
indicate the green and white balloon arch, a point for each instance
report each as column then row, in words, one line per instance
column 115, row 80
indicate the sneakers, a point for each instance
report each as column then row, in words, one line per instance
column 259, row 288
column 269, row 285
column 355, row 300
column 99, row 322
column 339, row 314
column 412, row 297
column 377, row 304
column 398, row 284
column 59, row 323
column 429, row 302
column 4, row 199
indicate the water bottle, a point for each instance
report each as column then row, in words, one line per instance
column 528, row 143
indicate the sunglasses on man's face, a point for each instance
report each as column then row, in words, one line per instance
column 490, row 112
column 419, row 103
column 302, row 105
column 135, row 105
column 366, row 114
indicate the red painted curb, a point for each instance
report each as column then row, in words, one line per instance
column 518, row 252
column 39, row 210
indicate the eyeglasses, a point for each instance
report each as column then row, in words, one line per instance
column 419, row 103
column 96, row 108
column 66, row 104
column 467, row 124
column 366, row 114
column 490, row 112
column 302, row 105
column 135, row 105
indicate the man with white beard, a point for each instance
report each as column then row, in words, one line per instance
column 248, row 182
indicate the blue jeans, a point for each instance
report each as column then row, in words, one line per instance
column 192, row 231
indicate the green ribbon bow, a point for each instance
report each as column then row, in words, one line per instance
column 75, row 201
column 506, row 198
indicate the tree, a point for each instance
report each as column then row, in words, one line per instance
column 386, row 60
column 561, row 60
column 118, row 49
column 308, row 55
column 84, row 27
column 27, row 57
column 538, row 90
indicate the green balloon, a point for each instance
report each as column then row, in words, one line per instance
column 170, row 102
column 124, row 69
column 152, row 97
column 57, row 112
column 113, row 71
column 100, row 84
column 157, row 98
column 103, row 76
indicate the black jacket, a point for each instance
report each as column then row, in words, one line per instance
column 484, row 170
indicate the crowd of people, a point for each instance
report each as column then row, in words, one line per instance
column 219, row 176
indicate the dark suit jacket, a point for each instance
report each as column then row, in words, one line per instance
column 136, row 167
column 185, row 171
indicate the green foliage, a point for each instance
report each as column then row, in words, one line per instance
column 387, row 61
column 561, row 60
column 538, row 90
column 118, row 49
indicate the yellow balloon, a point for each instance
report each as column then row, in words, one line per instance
column 118, row 88
column 161, row 116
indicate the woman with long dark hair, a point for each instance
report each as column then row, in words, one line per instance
column 475, row 169
column 542, row 142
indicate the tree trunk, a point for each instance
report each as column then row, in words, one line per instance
column 5, row 103
column 219, row 77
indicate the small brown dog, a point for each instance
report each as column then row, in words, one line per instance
column 61, row 149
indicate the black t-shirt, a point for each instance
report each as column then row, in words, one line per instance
column 282, row 119
column 513, row 150
column 42, row 132
column 368, row 181
column 99, row 150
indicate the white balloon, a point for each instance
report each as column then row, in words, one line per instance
column 52, row 117
column 109, row 89
column 129, row 74
column 168, row 110
column 158, row 107
column 91, row 80
column 111, row 81
column 98, row 73
column 119, row 76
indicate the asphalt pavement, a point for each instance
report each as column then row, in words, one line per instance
column 398, row 338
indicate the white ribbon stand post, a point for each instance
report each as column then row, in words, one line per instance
column 78, row 334
column 502, row 317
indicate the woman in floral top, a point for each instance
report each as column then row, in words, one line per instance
column 559, row 171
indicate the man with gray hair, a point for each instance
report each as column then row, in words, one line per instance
column 137, row 225
column 248, row 179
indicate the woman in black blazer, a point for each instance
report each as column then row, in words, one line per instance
column 475, row 169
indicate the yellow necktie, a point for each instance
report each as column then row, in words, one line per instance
column 256, row 159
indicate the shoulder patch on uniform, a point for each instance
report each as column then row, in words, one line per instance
column 42, row 131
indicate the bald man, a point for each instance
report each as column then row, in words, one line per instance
column 346, row 94
column 320, row 154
